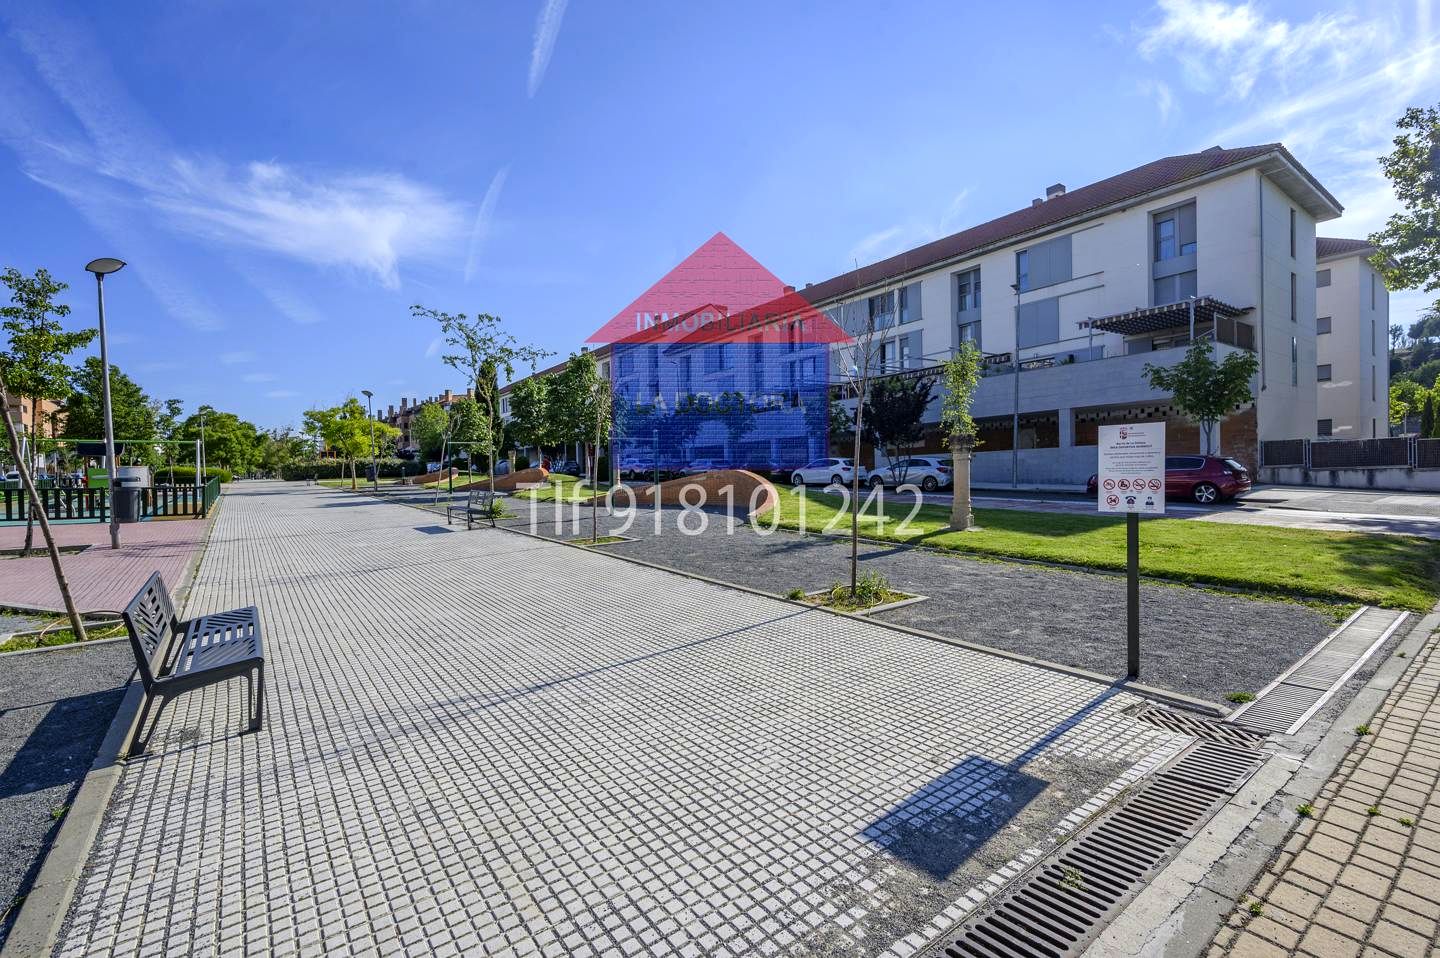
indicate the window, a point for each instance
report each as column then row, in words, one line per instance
column 967, row 291
column 970, row 333
column 1294, row 361
column 909, row 303
column 1322, row 373
column 882, row 310
column 1044, row 264
column 717, row 357
column 1022, row 269
column 1374, row 376
column 1372, row 290
column 1173, row 233
column 1322, row 278
column 1322, row 325
column 904, row 352
column 1038, row 323
column 1373, row 329
column 1323, row 427
column 1292, row 232
column 1294, row 301
column 1174, row 289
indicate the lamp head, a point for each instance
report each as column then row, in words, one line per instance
column 366, row 393
column 104, row 266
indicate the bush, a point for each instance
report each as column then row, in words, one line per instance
column 185, row 475
column 339, row 469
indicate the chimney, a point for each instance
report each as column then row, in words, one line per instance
column 789, row 289
column 447, row 397
column 1051, row 192
column 1037, row 201
column 402, row 403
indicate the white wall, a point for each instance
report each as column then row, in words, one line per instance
column 1356, row 399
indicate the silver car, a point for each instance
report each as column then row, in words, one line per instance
column 827, row 471
column 928, row 472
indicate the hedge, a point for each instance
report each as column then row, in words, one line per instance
column 185, row 475
column 340, row 469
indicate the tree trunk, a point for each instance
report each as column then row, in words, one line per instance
column 76, row 625
column 855, row 496
column 961, row 518
column 34, row 499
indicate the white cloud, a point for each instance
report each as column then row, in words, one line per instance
column 484, row 221
column 236, row 357
column 281, row 394
column 258, row 378
column 363, row 221
column 296, row 308
column 1225, row 46
column 1164, row 97
column 547, row 29
column 902, row 236
column 99, row 149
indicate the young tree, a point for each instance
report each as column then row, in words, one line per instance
column 857, row 362
column 429, row 428
column 530, row 422
column 1408, row 254
column 346, row 430
column 1427, row 417
column 738, row 417
column 1204, row 390
column 34, row 360
column 960, row 378
column 469, row 425
column 893, row 414
column 230, row 441
column 13, row 440
column 167, row 427
column 484, row 353
column 580, row 399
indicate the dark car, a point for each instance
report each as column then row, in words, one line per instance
column 568, row 467
column 1202, row 479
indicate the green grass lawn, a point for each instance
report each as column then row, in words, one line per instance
column 1395, row 571
column 562, row 487
column 58, row 636
column 360, row 483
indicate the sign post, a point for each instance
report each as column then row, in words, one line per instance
column 1131, row 480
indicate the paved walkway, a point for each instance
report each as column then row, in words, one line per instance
column 481, row 743
column 100, row 578
column 1361, row 876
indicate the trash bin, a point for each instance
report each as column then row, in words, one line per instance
column 126, row 503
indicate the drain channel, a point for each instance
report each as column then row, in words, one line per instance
column 1059, row 908
column 1290, row 701
column 1212, row 730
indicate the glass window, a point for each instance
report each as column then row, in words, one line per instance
column 1322, row 325
column 1323, row 427
column 1165, row 246
column 1322, row 372
column 1294, row 300
column 1174, row 289
column 882, row 310
column 1322, row 278
column 1294, row 361
column 970, row 333
column 1022, row 269
column 1292, row 232
column 967, row 291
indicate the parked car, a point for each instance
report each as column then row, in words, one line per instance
column 567, row 467
column 928, row 472
column 827, row 471
column 698, row 466
column 1202, row 479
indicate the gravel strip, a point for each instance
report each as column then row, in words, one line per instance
column 1202, row 643
column 57, row 706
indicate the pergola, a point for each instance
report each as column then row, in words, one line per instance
column 1154, row 319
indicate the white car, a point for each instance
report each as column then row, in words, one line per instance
column 928, row 472
column 827, row 472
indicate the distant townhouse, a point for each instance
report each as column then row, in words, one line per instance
column 402, row 417
column 1071, row 297
column 1352, row 327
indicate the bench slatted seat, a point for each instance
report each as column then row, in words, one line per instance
column 175, row 656
column 478, row 503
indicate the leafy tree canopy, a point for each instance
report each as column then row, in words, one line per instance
column 1203, row 389
column 34, row 359
column 132, row 412
column 1409, row 251
column 428, row 428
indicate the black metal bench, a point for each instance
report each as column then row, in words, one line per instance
column 174, row 656
column 478, row 502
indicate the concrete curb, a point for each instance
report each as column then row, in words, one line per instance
column 43, row 913
column 1179, row 914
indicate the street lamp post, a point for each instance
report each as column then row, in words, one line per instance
column 370, row 413
column 103, row 267
column 204, row 453
column 1015, row 421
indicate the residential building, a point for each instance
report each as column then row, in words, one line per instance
column 1075, row 294
column 1352, row 327
column 1071, row 297
column 402, row 417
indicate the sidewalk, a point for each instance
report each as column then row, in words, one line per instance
column 100, row 578
column 1360, row 877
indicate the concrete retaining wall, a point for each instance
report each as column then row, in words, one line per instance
column 1398, row 478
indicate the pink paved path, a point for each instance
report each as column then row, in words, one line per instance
column 100, row 578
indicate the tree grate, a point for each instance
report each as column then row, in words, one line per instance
column 1058, row 908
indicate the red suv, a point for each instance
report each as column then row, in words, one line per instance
column 1203, row 479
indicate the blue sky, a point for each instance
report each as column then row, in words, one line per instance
column 285, row 179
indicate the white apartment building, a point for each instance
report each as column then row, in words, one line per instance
column 1352, row 327
column 1083, row 288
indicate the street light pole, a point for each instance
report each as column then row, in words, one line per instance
column 102, row 267
column 204, row 453
column 370, row 414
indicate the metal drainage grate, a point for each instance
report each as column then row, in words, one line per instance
column 1287, row 703
column 1059, row 907
column 1211, row 730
